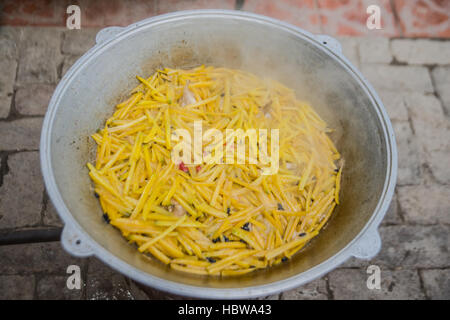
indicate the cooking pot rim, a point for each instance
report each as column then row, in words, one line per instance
column 353, row 248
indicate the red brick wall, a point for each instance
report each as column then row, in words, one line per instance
column 408, row 18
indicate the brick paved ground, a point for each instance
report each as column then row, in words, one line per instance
column 412, row 77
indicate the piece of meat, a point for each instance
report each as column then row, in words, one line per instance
column 188, row 97
column 290, row 165
column 178, row 210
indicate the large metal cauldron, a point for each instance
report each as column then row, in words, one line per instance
column 312, row 65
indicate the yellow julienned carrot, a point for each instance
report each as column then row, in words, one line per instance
column 215, row 219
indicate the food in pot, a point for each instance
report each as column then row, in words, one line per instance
column 216, row 171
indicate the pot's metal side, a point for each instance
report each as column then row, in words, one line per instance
column 79, row 243
column 369, row 241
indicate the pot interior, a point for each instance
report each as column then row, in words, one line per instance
column 250, row 44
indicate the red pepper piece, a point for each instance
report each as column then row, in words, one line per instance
column 183, row 167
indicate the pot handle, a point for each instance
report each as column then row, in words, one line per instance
column 107, row 33
column 330, row 42
column 368, row 246
column 75, row 244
